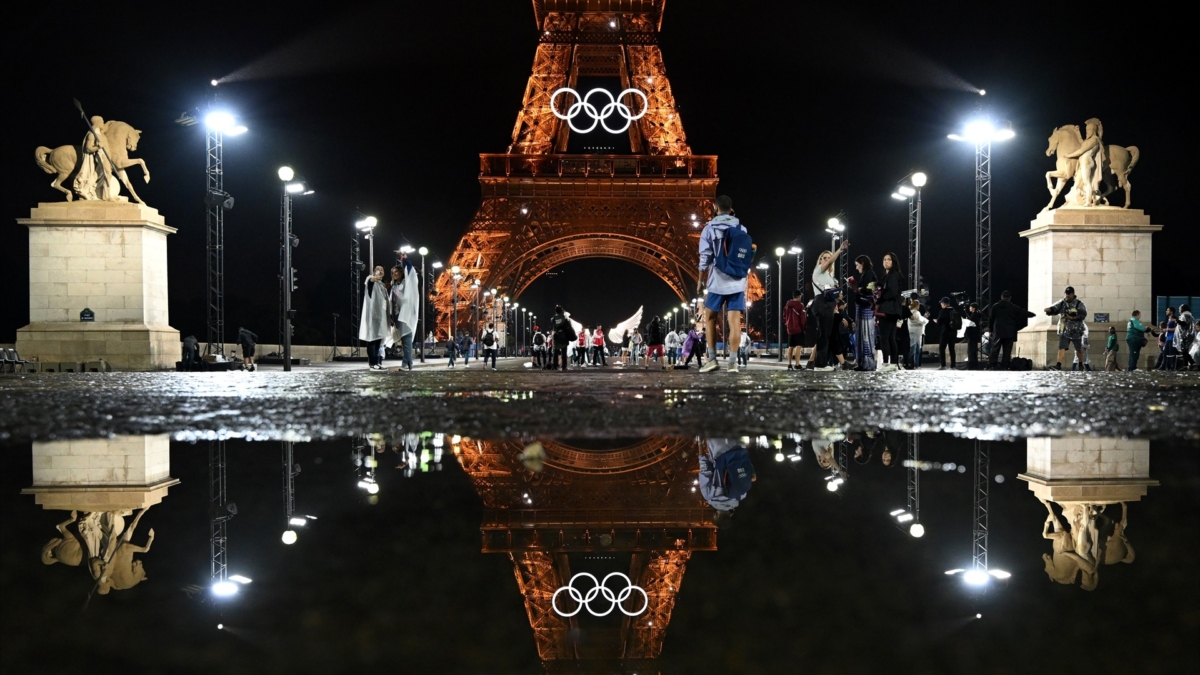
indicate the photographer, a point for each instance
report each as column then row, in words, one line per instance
column 974, row 334
column 1007, row 319
column 948, row 322
column 1070, row 327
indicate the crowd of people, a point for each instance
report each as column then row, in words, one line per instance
column 867, row 321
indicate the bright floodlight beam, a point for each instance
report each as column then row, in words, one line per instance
column 367, row 223
column 836, row 225
column 219, row 120
column 213, row 82
column 224, row 589
column 906, row 191
column 976, row 577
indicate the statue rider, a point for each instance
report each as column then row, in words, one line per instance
column 1091, row 155
column 95, row 179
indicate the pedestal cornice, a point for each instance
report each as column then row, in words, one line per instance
column 95, row 214
column 1103, row 219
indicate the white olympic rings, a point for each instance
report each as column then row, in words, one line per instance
column 582, row 105
column 601, row 588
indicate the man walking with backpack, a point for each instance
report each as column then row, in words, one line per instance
column 726, row 253
column 563, row 335
column 489, row 340
column 1070, row 327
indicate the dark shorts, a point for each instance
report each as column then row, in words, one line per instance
column 1064, row 341
column 247, row 351
column 795, row 339
column 734, row 302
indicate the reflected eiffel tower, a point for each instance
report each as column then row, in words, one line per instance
column 582, row 507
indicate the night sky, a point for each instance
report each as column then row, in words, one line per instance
column 384, row 110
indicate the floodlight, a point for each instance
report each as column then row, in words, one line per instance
column 904, row 517
column 406, row 249
column 455, row 269
column 437, row 265
column 906, row 191
column 976, row 577
column 983, row 92
column 835, row 225
column 294, row 188
column 919, row 179
column 763, row 266
column 239, row 578
column 795, row 249
column 224, row 588
column 218, row 120
column 897, row 195
column 779, row 251
column 289, row 537
column 423, row 251
column 367, row 223
column 779, row 457
column 286, row 173
column 213, row 82
column 999, row 574
column 1004, row 134
column 297, row 521
column 237, row 130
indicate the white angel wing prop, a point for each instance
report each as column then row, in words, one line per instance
column 574, row 324
column 618, row 331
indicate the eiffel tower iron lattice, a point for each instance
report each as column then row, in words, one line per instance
column 542, row 207
column 632, row 503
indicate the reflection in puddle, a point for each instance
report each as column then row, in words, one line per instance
column 600, row 534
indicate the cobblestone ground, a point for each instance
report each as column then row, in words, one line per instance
column 515, row 401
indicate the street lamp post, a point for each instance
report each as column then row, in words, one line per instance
column 367, row 227
column 982, row 133
column 292, row 185
column 424, row 252
column 779, row 252
column 456, row 273
column 837, row 230
column 912, row 193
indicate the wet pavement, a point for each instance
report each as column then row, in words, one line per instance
column 330, row 402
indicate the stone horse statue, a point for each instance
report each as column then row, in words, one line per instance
column 1118, row 162
column 121, row 139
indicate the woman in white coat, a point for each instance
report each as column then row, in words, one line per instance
column 373, row 325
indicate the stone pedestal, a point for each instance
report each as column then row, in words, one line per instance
column 1104, row 252
column 125, row 472
column 1091, row 470
column 110, row 257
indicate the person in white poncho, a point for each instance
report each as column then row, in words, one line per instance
column 373, row 325
column 403, row 307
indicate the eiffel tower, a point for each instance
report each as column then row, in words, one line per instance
column 629, row 510
column 640, row 196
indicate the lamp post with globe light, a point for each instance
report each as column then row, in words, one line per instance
column 424, row 252
column 982, row 133
column 837, row 230
column 912, row 194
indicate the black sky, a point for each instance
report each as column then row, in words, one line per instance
column 812, row 110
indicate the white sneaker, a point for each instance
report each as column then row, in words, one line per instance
column 733, row 368
column 824, row 369
column 710, row 366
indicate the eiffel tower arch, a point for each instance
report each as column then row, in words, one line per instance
column 543, row 206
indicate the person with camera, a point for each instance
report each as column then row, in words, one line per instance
column 1070, row 327
column 889, row 311
column 825, row 295
column 1007, row 318
column 974, row 334
column 862, row 301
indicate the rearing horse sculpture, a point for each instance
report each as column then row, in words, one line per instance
column 63, row 160
column 1118, row 163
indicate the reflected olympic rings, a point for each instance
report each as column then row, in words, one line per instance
column 584, row 105
column 601, row 589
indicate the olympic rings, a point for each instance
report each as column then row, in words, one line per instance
column 583, row 105
column 601, row 588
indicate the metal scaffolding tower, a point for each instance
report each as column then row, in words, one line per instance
column 290, row 469
column 214, row 219
column 356, row 286
column 220, row 511
column 979, row 536
column 983, row 223
column 914, row 241
column 914, row 477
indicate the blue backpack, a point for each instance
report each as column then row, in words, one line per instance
column 734, row 472
column 735, row 252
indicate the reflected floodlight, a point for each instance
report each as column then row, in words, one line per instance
column 239, row 578
column 779, row 457
column 289, row 537
column 976, row 577
column 367, row 223
column 919, row 179
column 896, row 512
column 286, row 173
column 494, row 291
column 999, row 574
column 423, row 251
column 904, row 517
column 297, row 521
column 779, row 251
column 906, row 191
column 524, row 210
column 897, row 195
column 917, row 530
column 831, row 486
column 224, row 589
column 954, row 571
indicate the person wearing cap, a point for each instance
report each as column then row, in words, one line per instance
column 1070, row 327
column 1006, row 319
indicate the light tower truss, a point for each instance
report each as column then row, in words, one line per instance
column 290, row 469
column 214, row 219
column 914, row 477
column 218, row 511
column 983, row 224
column 356, row 286
column 979, row 535
column 914, row 245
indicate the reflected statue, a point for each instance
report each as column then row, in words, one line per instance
column 1093, row 540
column 117, row 570
column 65, row 549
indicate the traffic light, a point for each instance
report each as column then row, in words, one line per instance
column 293, row 278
